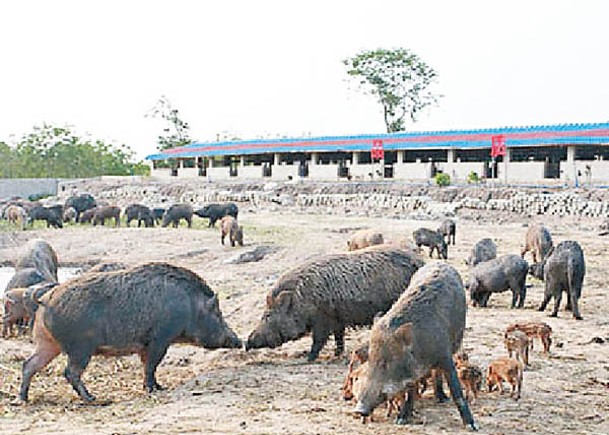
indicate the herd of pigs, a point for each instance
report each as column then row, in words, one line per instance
column 417, row 311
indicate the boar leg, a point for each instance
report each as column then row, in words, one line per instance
column 320, row 336
column 405, row 415
column 557, row 299
column 339, row 338
column 151, row 360
column 457, row 393
column 575, row 306
column 43, row 354
column 77, row 363
column 545, row 302
column 438, row 389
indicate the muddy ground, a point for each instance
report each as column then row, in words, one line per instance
column 277, row 391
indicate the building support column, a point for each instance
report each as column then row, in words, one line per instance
column 242, row 161
column 314, row 159
column 571, row 167
column 356, row 158
column 276, row 159
column 450, row 159
column 400, row 157
column 506, row 163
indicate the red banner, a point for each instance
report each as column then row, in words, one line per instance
column 377, row 151
column 498, row 146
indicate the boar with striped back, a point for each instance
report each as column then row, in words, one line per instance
column 329, row 294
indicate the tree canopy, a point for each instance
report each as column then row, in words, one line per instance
column 57, row 152
column 176, row 132
column 399, row 79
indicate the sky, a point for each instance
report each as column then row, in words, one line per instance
column 252, row 69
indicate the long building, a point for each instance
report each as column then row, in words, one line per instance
column 569, row 153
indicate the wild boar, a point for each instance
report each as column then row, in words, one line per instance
column 230, row 227
column 508, row 272
column 483, row 250
column 433, row 239
column 176, row 212
column 448, row 229
column 39, row 212
column 508, row 370
column 81, row 203
column 420, row 332
column 215, row 212
column 563, row 269
column 157, row 214
column 539, row 241
column 69, row 214
column 40, row 256
column 16, row 215
column 326, row 295
column 31, row 296
column 107, row 212
column 14, row 310
column 87, row 216
column 141, row 310
column 363, row 239
column 517, row 343
column 141, row 213
column 469, row 375
column 541, row 330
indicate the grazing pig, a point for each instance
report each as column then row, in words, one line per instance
column 364, row 238
column 483, row 250
column 40, row 213
column 448, row 229
column 87, row 216
column 534, row 329
column 69, row 215
column 230, row 227
column 563, row 269
column 539, row 241
column 107, row 212
column 16, row 215
column 508, row 272
column 326, row 295
column 157, row 214
column 141, row 310
column 517, row 343
column 508, row 370
column 433, row 239
column 215, row 212
column 81, row 203
column 176, row 212
column 420, row 332
column 14, row 310
column 141, row 213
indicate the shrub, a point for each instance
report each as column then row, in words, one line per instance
column 442, row 179
column 473, row 177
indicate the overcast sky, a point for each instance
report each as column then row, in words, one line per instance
column 267, row 68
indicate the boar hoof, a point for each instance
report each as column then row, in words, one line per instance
column 578, row 317
column 554, row 315
column 473, row 427
column 403, row 420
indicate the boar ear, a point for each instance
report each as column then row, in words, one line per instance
column 404, row 333
column 285, row 300
column 211, row 303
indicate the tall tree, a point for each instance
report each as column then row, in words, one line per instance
column 177, row 132
column 399, row 79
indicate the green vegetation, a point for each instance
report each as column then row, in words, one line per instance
column 473, row 177
column 398, row 79
column 56, row 152
column 176, row 133
column 442, row 179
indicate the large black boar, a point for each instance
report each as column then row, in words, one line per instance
column 176, row 212
column 563, row 269
column 483, row 250
column 539, row 241
column 433, row 239
column 81, row 203
column 39, row 255
column 51, row 217
column 420, row 332
column 326, row 295
column 141, row 310
column 141, row 213
column 508, row 272
column 157, row 214
column 448, row 228
column 107, row 212
column 215, row 212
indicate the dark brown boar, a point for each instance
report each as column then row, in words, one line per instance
column 326, row 295
column 176, row 212
column 508, row 272
column 448, row 229
column 433, row 239
column 483, row 250
column 541, row 330
column 230, row 227
column 107, row 212
column 31, row 296
column 420, row 332
column 508, row 370
column 563, row 270
column 87, row 216
column 140, row 310
column 40, row 256
column 141, row 213
column 539, row 241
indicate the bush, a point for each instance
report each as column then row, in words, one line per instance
column 442, row 179
column 473, row 177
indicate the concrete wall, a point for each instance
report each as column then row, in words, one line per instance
column 519, row 172
column 25, row 187
column 323, row 172
column 221, row 173
column 251, row 172
column 412, row 171
column 282, row 172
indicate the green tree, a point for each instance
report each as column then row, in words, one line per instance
column 176, row 132
column 399, row 80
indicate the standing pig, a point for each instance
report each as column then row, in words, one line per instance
column 326, row 295
column 448, row 228
column 230, row 227
column 80, row 203
column 363, row 239
column 508, row 272
column 215, row 212
column 39, row 255
column 14, row 310
column 563, row 269
column 483, row 250
column 141, row 310
column 176, row 212
column 539, row 241
column 420, row 332
column 107, row 212
column 433, row 239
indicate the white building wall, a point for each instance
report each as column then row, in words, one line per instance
column 221, row 173
column 520, row 172
column 282, row 172
column 251, row 172
column 412, row 171
column 323, row 172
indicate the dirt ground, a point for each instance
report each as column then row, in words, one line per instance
column 277, row 391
